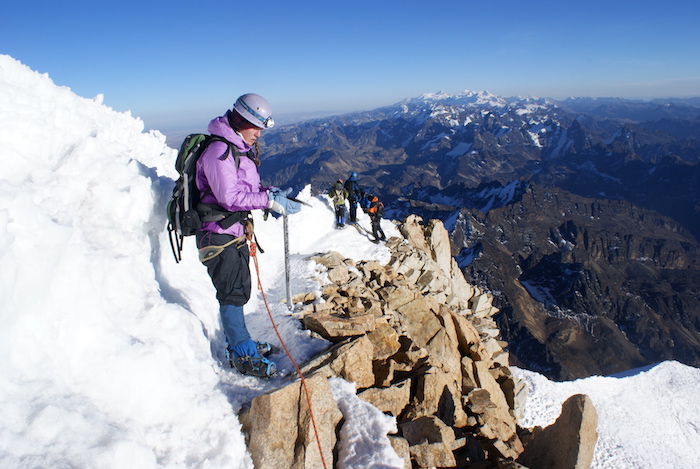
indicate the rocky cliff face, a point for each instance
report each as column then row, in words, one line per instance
column 586, row 286
column 420, row 344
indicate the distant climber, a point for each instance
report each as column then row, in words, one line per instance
column 363, row 200
column 354, row 193
column 376, row 213
column 339, row 195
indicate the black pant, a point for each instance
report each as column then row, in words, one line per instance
column 229, row 271
column 377, row 231
column 353, row 210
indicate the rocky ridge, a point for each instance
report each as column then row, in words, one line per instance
column 420, row 344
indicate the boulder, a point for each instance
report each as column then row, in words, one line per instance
column 350, row 360
column 278, row 428
column 430, row 442
column 337, row 326
column 392, row 399
column 568, row 443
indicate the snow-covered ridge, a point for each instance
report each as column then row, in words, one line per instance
column 455, row 110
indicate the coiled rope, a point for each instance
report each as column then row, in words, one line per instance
column 253, row 254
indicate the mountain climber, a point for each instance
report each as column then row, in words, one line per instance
column 354, row 193
column 338, row 194
column 376, row 212
column 364, row 200
column 236, row 187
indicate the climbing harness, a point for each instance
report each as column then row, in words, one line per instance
column 209, row 252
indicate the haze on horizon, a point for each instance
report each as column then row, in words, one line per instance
column 175, row 63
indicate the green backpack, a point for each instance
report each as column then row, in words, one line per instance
column 185, row 211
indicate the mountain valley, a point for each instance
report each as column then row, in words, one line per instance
column 581, row 216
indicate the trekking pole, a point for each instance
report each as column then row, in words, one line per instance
column 285, row 224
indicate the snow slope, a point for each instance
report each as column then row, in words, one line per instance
column 111, row 354
column 647, row 418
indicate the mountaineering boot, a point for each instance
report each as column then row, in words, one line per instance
column 249, row 348
column 254, row 366
column 248, row 358
column 264, row 349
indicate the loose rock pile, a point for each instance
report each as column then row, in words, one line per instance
column 419, row 343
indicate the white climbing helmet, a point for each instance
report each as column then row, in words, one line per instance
column 255, row 109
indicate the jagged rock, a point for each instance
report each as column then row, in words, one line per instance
column 340, row 275
column 373, row 306
column 384, row 373
column 462, row 291
column 431, row 442
column 419, row 320
column 479, row 401
column 401, row 447
column 509, row 449
column 498, row 423
column 469, row 381
column 445, row 353
column 396, row 296
column 278, row 429
column 440, row 247
column 385, row 340
column 410, row 266
column 392, row 399
column 304, row 298
column 520, row 395
column 350, row 360
column 573, row 435
column 329, row 260
column 411, row 356
column 438, row 394
column 334, row 326
column 439, row 285
column 481, row 306
column 449, row 326
column 467, row 335
column 412, row 230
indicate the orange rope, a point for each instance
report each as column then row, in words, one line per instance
column 253, row 254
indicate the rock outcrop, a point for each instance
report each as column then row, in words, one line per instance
column 574, row 436
column 419, row 343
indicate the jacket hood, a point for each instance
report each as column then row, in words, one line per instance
column 220, row 126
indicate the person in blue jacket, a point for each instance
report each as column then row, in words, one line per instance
column 235, row 186
column 353, row 195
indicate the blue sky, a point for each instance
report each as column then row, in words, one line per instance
column 337, row 56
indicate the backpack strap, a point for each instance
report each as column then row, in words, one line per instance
column 214, row 212
column 232, row 149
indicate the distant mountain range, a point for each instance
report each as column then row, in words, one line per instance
column 581, row 215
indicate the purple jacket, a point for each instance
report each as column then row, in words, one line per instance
column 220, row 182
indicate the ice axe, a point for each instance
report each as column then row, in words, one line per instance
column 285, row 225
